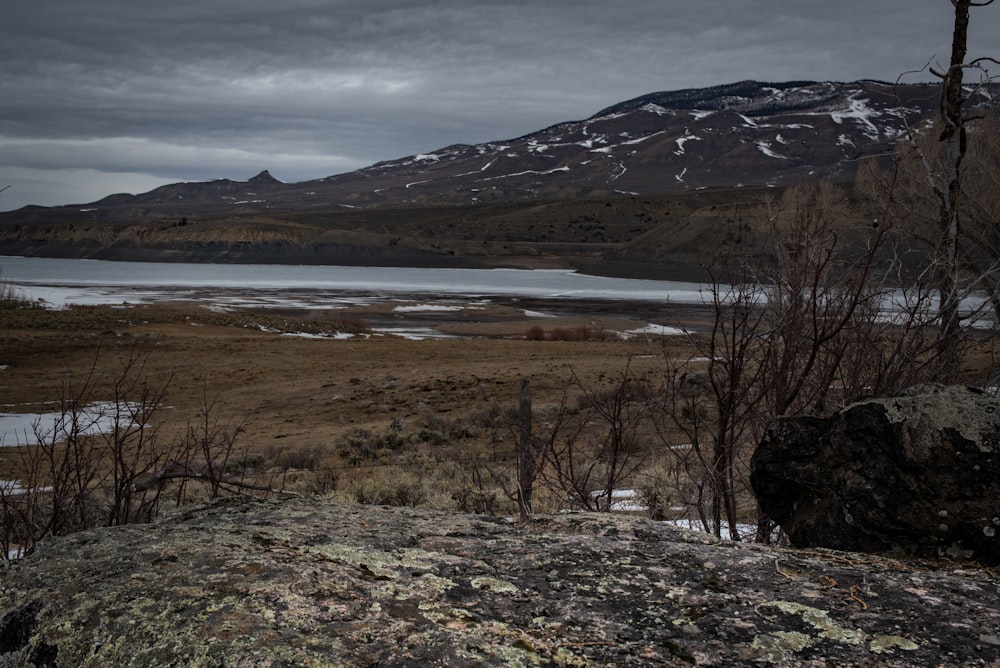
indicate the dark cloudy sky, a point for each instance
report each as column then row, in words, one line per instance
column 104, row 96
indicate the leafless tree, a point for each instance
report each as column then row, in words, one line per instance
column 941, row 187
column 954, row 136
column 807, row 317
column 591, row 460
column 582, row 455
column 102, row 464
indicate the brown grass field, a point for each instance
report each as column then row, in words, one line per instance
column 366, row 415
column 300, row 398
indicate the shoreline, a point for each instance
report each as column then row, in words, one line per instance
column 592, row 266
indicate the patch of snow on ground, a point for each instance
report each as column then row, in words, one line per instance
column 15, row 488
column 747, row 531
column 698, row 115
column 309, row 335
column 413, row 333
column 61, row 298
column 28, row 428
column 336, row 336
column 623, row 501
column 628, row 501
column 656, row 330
column 428, row 307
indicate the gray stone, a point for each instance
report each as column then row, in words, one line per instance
column 312, row 583
column 917, row 474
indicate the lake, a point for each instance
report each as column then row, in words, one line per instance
column 87, row 282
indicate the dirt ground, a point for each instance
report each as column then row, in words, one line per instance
column 294, row 392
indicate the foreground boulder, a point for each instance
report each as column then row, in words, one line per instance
column 309, row 583
column 917, row 475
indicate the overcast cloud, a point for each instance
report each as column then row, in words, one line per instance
column 109, row 96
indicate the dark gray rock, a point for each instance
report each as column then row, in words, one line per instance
column 312, row 583
column 917, row 475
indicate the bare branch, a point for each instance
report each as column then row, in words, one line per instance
column 174, row 471
column 987, row 59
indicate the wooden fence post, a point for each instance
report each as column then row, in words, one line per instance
column 525, row 453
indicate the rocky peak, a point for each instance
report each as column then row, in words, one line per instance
column 264, row 179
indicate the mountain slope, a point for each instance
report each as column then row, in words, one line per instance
column 748, row 133
column 588, row 189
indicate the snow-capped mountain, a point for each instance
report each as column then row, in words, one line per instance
column 742, row 134
column 747, row 133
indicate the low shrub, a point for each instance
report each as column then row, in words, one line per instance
column 535, row 333
column 580, row 333
column 389, row 486
column 302, row 457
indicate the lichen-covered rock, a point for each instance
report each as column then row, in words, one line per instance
column 916, row 475
column 310, row 583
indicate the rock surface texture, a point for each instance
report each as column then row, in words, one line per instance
column 916, row 475
column 309, row 583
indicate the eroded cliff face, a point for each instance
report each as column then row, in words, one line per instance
column 311, row 583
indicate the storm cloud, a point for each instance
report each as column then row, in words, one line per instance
column 118, row 96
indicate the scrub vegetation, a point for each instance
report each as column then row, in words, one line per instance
column 818, row 297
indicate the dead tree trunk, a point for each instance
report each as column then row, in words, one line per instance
column 949, row 223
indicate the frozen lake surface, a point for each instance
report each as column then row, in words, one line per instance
column 87, row 282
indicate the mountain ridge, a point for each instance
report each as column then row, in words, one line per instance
column 588, row 190
column 657, row 143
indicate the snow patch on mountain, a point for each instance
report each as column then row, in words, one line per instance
column 680, row 141
column 525, row 172
column 765, row 148
column 858, row 110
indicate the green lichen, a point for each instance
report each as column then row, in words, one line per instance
column 781, row 645
column 820, row 620
column 382, row 565
column 433, row 583
column 882, row 644
column 493, row 585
